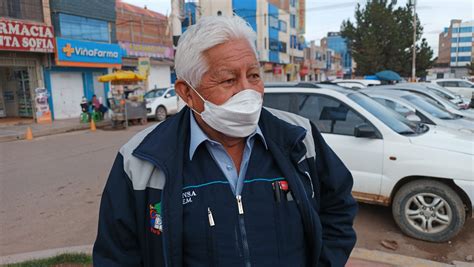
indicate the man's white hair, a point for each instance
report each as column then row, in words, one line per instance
column 208, row 32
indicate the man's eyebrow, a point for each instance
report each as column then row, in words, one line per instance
column 222, row 71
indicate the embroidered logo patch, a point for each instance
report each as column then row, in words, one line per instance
column 188, row 196
column 156, row 224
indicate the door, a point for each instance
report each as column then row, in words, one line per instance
column 170, row 101
column 337, row 122
column 99, row 88
column 67, row 91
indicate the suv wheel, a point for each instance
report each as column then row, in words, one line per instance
column 428, row 210
column 160, row 113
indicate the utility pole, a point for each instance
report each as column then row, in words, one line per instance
column 413, row 68
column 175, row 20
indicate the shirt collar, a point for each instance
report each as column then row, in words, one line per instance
column 198, row 136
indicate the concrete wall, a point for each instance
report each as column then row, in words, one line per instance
column 211, row 7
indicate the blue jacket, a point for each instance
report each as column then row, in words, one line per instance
column 147, row 170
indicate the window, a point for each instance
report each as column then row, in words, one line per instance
column 274, row 46
column 465, row 29
column 464, row 84
column 465, row 39
column 282, row 25
column 293, row 3
column 402, row 110
column 22, row 9
column 454, row 40
column 282, row 47
column 285, row 102
column 293, row 21
column 265, row 19
column 172, row 92
column 462, row 49
column 273, row 22
column 454, row 49
column 328, row 114
column 265, row 43
column 75, row 27
column 464, row 59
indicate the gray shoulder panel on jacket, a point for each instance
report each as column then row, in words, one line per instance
column 299, row 121
column 142, row 173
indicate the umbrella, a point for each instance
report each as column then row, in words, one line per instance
column 122, row 77
column 388, row 75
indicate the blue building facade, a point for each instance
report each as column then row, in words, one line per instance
column 338, row 44
column 462, row 46
column 86, row 48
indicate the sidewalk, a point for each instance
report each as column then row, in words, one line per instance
column 359, row 258
column 16, row 131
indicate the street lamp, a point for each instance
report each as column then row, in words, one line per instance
column 413, row 68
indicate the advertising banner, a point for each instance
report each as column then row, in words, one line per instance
column 26, row 36
column 148, row 50
column 76, row 53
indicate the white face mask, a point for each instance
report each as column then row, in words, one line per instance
column 237, row 117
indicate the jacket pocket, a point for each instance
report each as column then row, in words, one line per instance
column 290, row 232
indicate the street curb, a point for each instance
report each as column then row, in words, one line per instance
column 400, row 260
column 374, row 256
column 15, row 258
column 54, row 131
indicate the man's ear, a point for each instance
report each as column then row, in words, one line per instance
column 184, row 91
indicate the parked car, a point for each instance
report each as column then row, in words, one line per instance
column 423, row 172
column 161, row 102
column 419, row 109
column 457, row 86
column 356, row 83
column 459, row 100
column 429, row 94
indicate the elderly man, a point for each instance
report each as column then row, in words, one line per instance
column 225, row 182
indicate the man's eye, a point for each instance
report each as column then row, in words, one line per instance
column 229, row 81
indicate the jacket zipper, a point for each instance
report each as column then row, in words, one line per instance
column 211, row 245
column 243, row 233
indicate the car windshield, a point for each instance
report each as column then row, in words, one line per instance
column 444, row 101
column 429, row 107
column 155, row 93
column 391, row 118
column 441, row 93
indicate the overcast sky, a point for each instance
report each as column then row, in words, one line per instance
column 323, row 16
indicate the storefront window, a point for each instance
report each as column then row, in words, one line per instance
column 22, row 9
column 82, row 28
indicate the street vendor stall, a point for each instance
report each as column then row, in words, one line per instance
column 126, row 97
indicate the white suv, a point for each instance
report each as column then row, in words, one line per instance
column 161, row 102
column 423, row 172
column 457, row 86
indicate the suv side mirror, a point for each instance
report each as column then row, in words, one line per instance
column 168, row 95
column 365, row 130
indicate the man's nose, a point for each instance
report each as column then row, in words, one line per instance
column 242, row 84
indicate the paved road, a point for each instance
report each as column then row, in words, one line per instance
column 50, row 190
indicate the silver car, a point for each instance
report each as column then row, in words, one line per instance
column 419, row 109
column 424, row 92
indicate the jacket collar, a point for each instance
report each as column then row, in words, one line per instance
column 163, row 142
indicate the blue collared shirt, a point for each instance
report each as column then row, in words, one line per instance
column 221, row 157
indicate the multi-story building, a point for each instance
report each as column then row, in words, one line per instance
column 455, row 50
column 337, row 43
column 144, row 36
column 316, row 58
column 26, row 40
column 280, row 25
column 462, row 43
column 86, row 49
